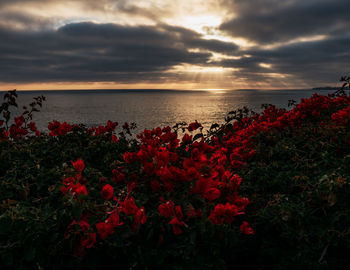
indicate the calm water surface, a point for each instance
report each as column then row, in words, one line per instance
column 152, row 108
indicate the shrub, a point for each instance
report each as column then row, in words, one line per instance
column 93, row 198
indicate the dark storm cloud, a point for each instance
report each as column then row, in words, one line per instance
column 193, row 39
column 268, row 21
column 101, row 52
column 314, row 62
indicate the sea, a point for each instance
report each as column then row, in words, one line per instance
column 152, row 108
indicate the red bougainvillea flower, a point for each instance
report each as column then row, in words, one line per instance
column 177, row 224
column 56, row 128
column 107, row 192
column 193, row 126
column 78, row 165
column 110, row 127
column 114, row 138
column 129, row 206
column 114, row 219
column 89, row 241
column 72, row 227
column 64, row 128
column 224, row 213
column 19, row 121
column 84, row 225
column 32, row 126
column 186, row 138
column 177, row 221
column 140, row 216
column 75, row 189
column 4, row 134
column 166, row 209
column 246, row 229
column 78, row 189
column 192, row 173
column 130, row 157
column 211, row 194
column 342, row 117
column 104, row 229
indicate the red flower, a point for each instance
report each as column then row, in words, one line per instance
column 193, row 126
column 68, row 181
column 114, row 219
column 246, row 229
column 78, row 189
column 64, row 128
column 224, row 213
column 178, row 212
column 186, row 138
column 130, row 157
column 342, row 117
column 166, row 209
column 211, row 194
column 90, row 241
column 114, row 138
column 129, row 206
column 107, row 192
column 4, row 134
column 104, row 229
column 235, row 181
column 32, row 126
column 78, row 165
column 140, row 216
column 177, row 224
column 84, row 225
column 192, row 173
column 19, row 121
column 111, row 126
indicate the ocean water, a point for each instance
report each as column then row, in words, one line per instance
column 151, row 108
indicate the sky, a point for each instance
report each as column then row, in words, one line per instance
column 177, row 44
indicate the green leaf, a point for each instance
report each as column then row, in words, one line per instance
column 77, row 210
column 7, row 258
column 214, row 126
column 5, row 225
column 29, row 253
column 197, row 136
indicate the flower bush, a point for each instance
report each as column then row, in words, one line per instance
column 264, row 190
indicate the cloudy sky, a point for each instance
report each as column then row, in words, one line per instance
column 177, row 44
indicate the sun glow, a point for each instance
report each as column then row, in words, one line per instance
column 215, row 91
column 264, row 65
column 186, row 68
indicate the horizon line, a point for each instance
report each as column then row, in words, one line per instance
column 168, row 89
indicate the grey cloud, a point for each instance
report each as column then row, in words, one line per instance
column 271, row 21
column 100, row 52
column 193, row 39
column 315, row 63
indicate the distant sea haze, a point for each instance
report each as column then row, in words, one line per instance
column 152, row 108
